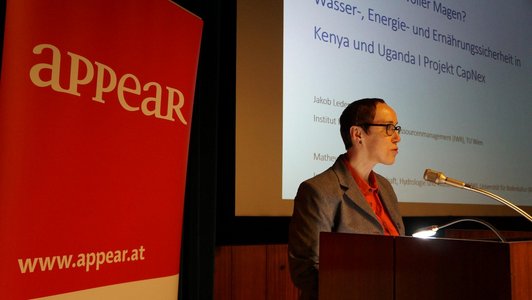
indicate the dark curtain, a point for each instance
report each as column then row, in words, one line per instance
column 211, row 151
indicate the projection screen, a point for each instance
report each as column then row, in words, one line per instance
column 457, row 73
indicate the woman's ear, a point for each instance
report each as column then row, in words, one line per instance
column 356, row 134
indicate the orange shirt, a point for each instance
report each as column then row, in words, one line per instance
column 371, row 193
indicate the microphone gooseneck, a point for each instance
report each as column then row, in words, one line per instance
column 439, row 178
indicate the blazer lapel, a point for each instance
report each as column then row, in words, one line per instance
column 389, row 202
column 351, row 189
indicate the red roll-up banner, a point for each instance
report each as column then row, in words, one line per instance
column 95, row 115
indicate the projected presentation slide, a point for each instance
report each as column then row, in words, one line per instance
column 457, row 73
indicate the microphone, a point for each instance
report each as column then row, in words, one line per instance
column 439, row 178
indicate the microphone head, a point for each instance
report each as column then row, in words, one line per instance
column 434, row 176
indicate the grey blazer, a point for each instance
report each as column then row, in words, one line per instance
column 331, row 202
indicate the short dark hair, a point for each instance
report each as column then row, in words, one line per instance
column 357, row 113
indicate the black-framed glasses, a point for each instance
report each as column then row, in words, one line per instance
column 390, row 128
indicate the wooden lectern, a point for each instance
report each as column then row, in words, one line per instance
column 358, row 266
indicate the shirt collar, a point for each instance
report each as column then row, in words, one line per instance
column 365, row 187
